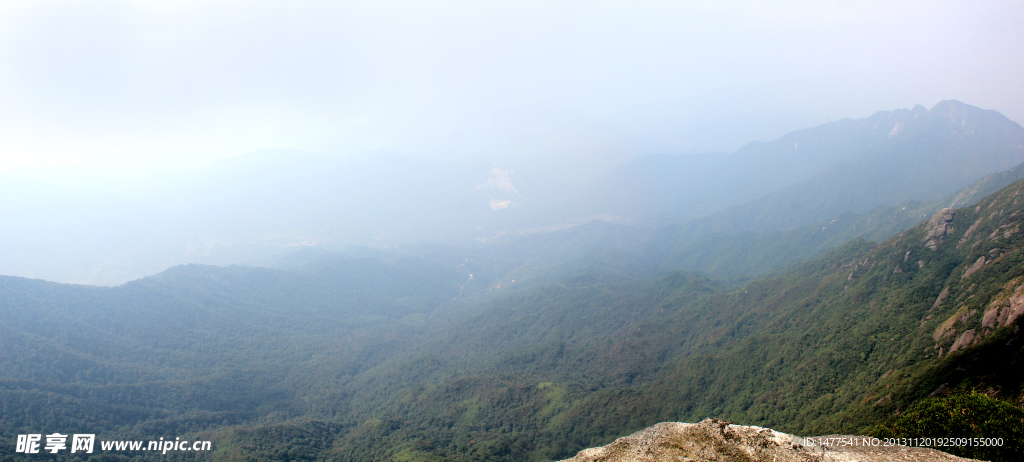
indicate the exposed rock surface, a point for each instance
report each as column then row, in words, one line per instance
column 1007, row 306
column 938, row 228
column 715, row 440
column 965, row 340
column 974, row 268
column 942, row 297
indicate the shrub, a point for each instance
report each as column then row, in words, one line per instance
column 970, row 415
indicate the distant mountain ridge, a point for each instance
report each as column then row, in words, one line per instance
column 252, row 208
column 816, row 173
column 927, row 155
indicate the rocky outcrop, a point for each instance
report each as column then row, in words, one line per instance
column 970, row 231
column 938, row 228
column 965, row 340
column 974, row 268
column 1003, row 310
column 942, row 297
column 715, row 440
column 1007, row 306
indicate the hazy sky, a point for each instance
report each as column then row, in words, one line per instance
column 177, row 83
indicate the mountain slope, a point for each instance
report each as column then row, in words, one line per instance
column 732, row 255
column 838, row 344
column 870, row 331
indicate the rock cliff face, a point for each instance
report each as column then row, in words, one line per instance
column 938, row 228
column 715, row 440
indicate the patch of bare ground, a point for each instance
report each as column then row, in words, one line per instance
column 715, row 440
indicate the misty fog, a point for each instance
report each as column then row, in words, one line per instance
column 508, row 231
column 141, row 135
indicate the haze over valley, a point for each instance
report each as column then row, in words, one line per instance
column 510, row 232
column 258, row 207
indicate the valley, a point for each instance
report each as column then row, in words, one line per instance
column 829, row 298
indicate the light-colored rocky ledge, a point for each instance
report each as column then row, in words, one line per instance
column 714, row 440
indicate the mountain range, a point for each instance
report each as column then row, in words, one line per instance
column 762, row 305
column 264, row 205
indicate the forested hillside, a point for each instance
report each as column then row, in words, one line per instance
column 406, row 358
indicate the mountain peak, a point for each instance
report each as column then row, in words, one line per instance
column 947, row 105
column 964, row 114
